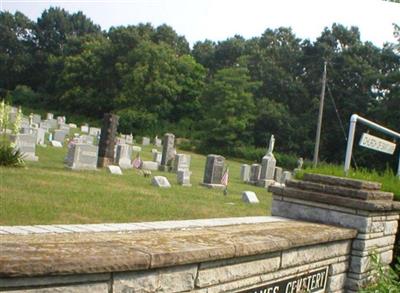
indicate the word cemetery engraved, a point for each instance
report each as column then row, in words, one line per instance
column 310, row 282
column 377, row 144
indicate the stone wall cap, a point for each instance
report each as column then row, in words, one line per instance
column 79, row 253
column 361, row 194
column 340, row 181
column 341, row 201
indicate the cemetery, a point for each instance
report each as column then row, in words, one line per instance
column 133, row 160
column 319, row 238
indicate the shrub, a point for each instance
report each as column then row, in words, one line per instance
column 384, row 279
column 10, row 157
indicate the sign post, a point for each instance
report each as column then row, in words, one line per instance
column 369, row 141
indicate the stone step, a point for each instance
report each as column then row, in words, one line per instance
column 312, row 196
column 363, row 194
column 343, row 182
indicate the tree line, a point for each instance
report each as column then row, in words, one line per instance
column 223, row 95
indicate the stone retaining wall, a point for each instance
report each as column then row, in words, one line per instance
column 229, row 258
column 348, row 203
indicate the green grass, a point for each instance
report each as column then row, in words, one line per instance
column 390, row 182
column 45, row 192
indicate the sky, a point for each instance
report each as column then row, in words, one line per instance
column 218, row 20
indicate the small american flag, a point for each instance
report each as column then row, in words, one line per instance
column 137, row 162
column 225, row 177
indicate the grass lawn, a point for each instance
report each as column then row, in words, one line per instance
column 45, row 192
column 390, row 182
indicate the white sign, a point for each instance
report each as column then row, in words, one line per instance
column 377, row 144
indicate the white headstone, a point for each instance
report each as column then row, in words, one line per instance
column 278, row 174
column 136, row 148
column 56, row 144
column 94, row 131
column 85, row 128
column 183, row 177
column 160, row 181
column 82, row 157
column 26, row 144
column 116, row 170
column 157, row 157
column 249, row 197
column 286, row 175
column 181, row 162
column 72, row 125
column 149, row 165
column 245, row 173
column 145, row 141
column 123, row 156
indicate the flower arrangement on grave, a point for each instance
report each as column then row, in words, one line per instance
column 9, row 155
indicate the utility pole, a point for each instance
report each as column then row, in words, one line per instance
column 321, row 109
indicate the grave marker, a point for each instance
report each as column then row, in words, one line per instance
column 181, row 162
column 268, row 164
column 183, row 177
column 26, row 144
column 82, row 157
column 245, row 173
column 115, row 170
column 160, row 181
column 249, row 197
column 107, row 140
column 168, row 152
column 213, row 171
column 123, row 156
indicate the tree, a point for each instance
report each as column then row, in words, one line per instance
column 228, row 109
column 16, row 50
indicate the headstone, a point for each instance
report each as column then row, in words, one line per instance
column 268, row 164
column 82, row 157
column 157, row 142
column 213, row 171
column 123, row 156
column 87, row 139
column 129, row 138
column 115, row 170
column 85, row 128
column 286, row 175
column 168, row 152
column 149, row 165
column 136, row 148
column 59, row 135
column 26, row 144
column 44, row 125
column 61, row 120
column 94, row 131
column 12, row 117
column 36, row 118
column 64, row 127
column 183, row 177
column 249, row 197
column 255, row 171
column 49, row 116
column 56, row 144
column 107, row 140
column 40, row 136
column 120, row 140
column 278, row 174
column 160, row 181
column 181, row 162
column 245, row 173
column 52, row 123
column 157, row 157
column 72, row 125
column 145, row 141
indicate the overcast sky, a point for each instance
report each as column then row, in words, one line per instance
column 219, row 19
